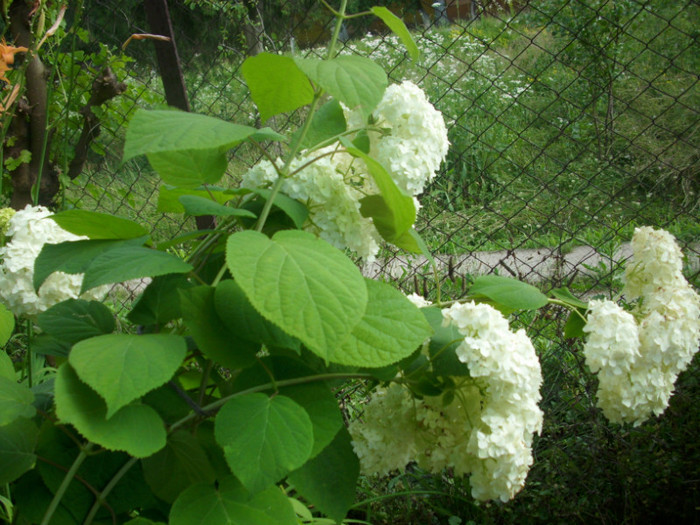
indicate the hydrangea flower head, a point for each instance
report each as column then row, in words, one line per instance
column 29, row 230
column 657, row 263
column 639, row 355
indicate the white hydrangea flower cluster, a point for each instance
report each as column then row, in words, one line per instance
column 412, row 149
column 507, row 366
column 639, row 355
column 30, row 230
column 418, row 142
column 486, row 431
column 333, row 202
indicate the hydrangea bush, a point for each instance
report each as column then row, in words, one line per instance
column 214, row 395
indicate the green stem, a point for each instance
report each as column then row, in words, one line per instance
column 99, row 501
column 268, row 386
column 339, row 17
column 64, row 484
column 30, row 334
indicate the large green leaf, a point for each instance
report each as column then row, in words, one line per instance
column 7, row 324
column 136, row 429
column 507, row 293
column 74, row 320
column 17, row 442
column 263, row 438
column 231, row 504
column 355, row 81
column 124, row 367
column 196, row 205
column 276, row 84
column 300, row 283
column 105, row 261
column 160, row 301
column 125, row 263
column 157, row 131
column 239, row 316
column 96, row 225
column 189, row 168
column 329, row 480
column 399, row 29
column 212, row 336
column 75, row 257
column 391, row 329
column 15, row 401
column 180, row 464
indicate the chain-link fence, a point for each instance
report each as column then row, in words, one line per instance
column 570, row 123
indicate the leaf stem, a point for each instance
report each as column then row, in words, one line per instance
column 66, row 481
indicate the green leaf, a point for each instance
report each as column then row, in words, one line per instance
column 124, row 367
column 329, row 480
column 44, row 344
column 7, row 324
column 189, row 168
column 301, row 283
column 565, row 295
column 212, row 336
column 575, row 323
column 160, row 301
column 231, row 504
column 74, row 320
column 316, row 398
column 509, row 293
column 17, row 442
column 263, row 438
column 158, row 131
column 169, row 197
column 356, row 81
column 239, row 316
column 327, row 123
column 74, row 257
column 391, row 329
column 180, row 464
column 392, row 212
column 196, row 205
column 276, row 84
column 96, row 225
column 105, row 261
column 7, row 369
column 294, row 209
column 143, row 521
column 443, row 344
column 126, row 263
column 136, row 429
column 399, row 29
column 15, row 401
